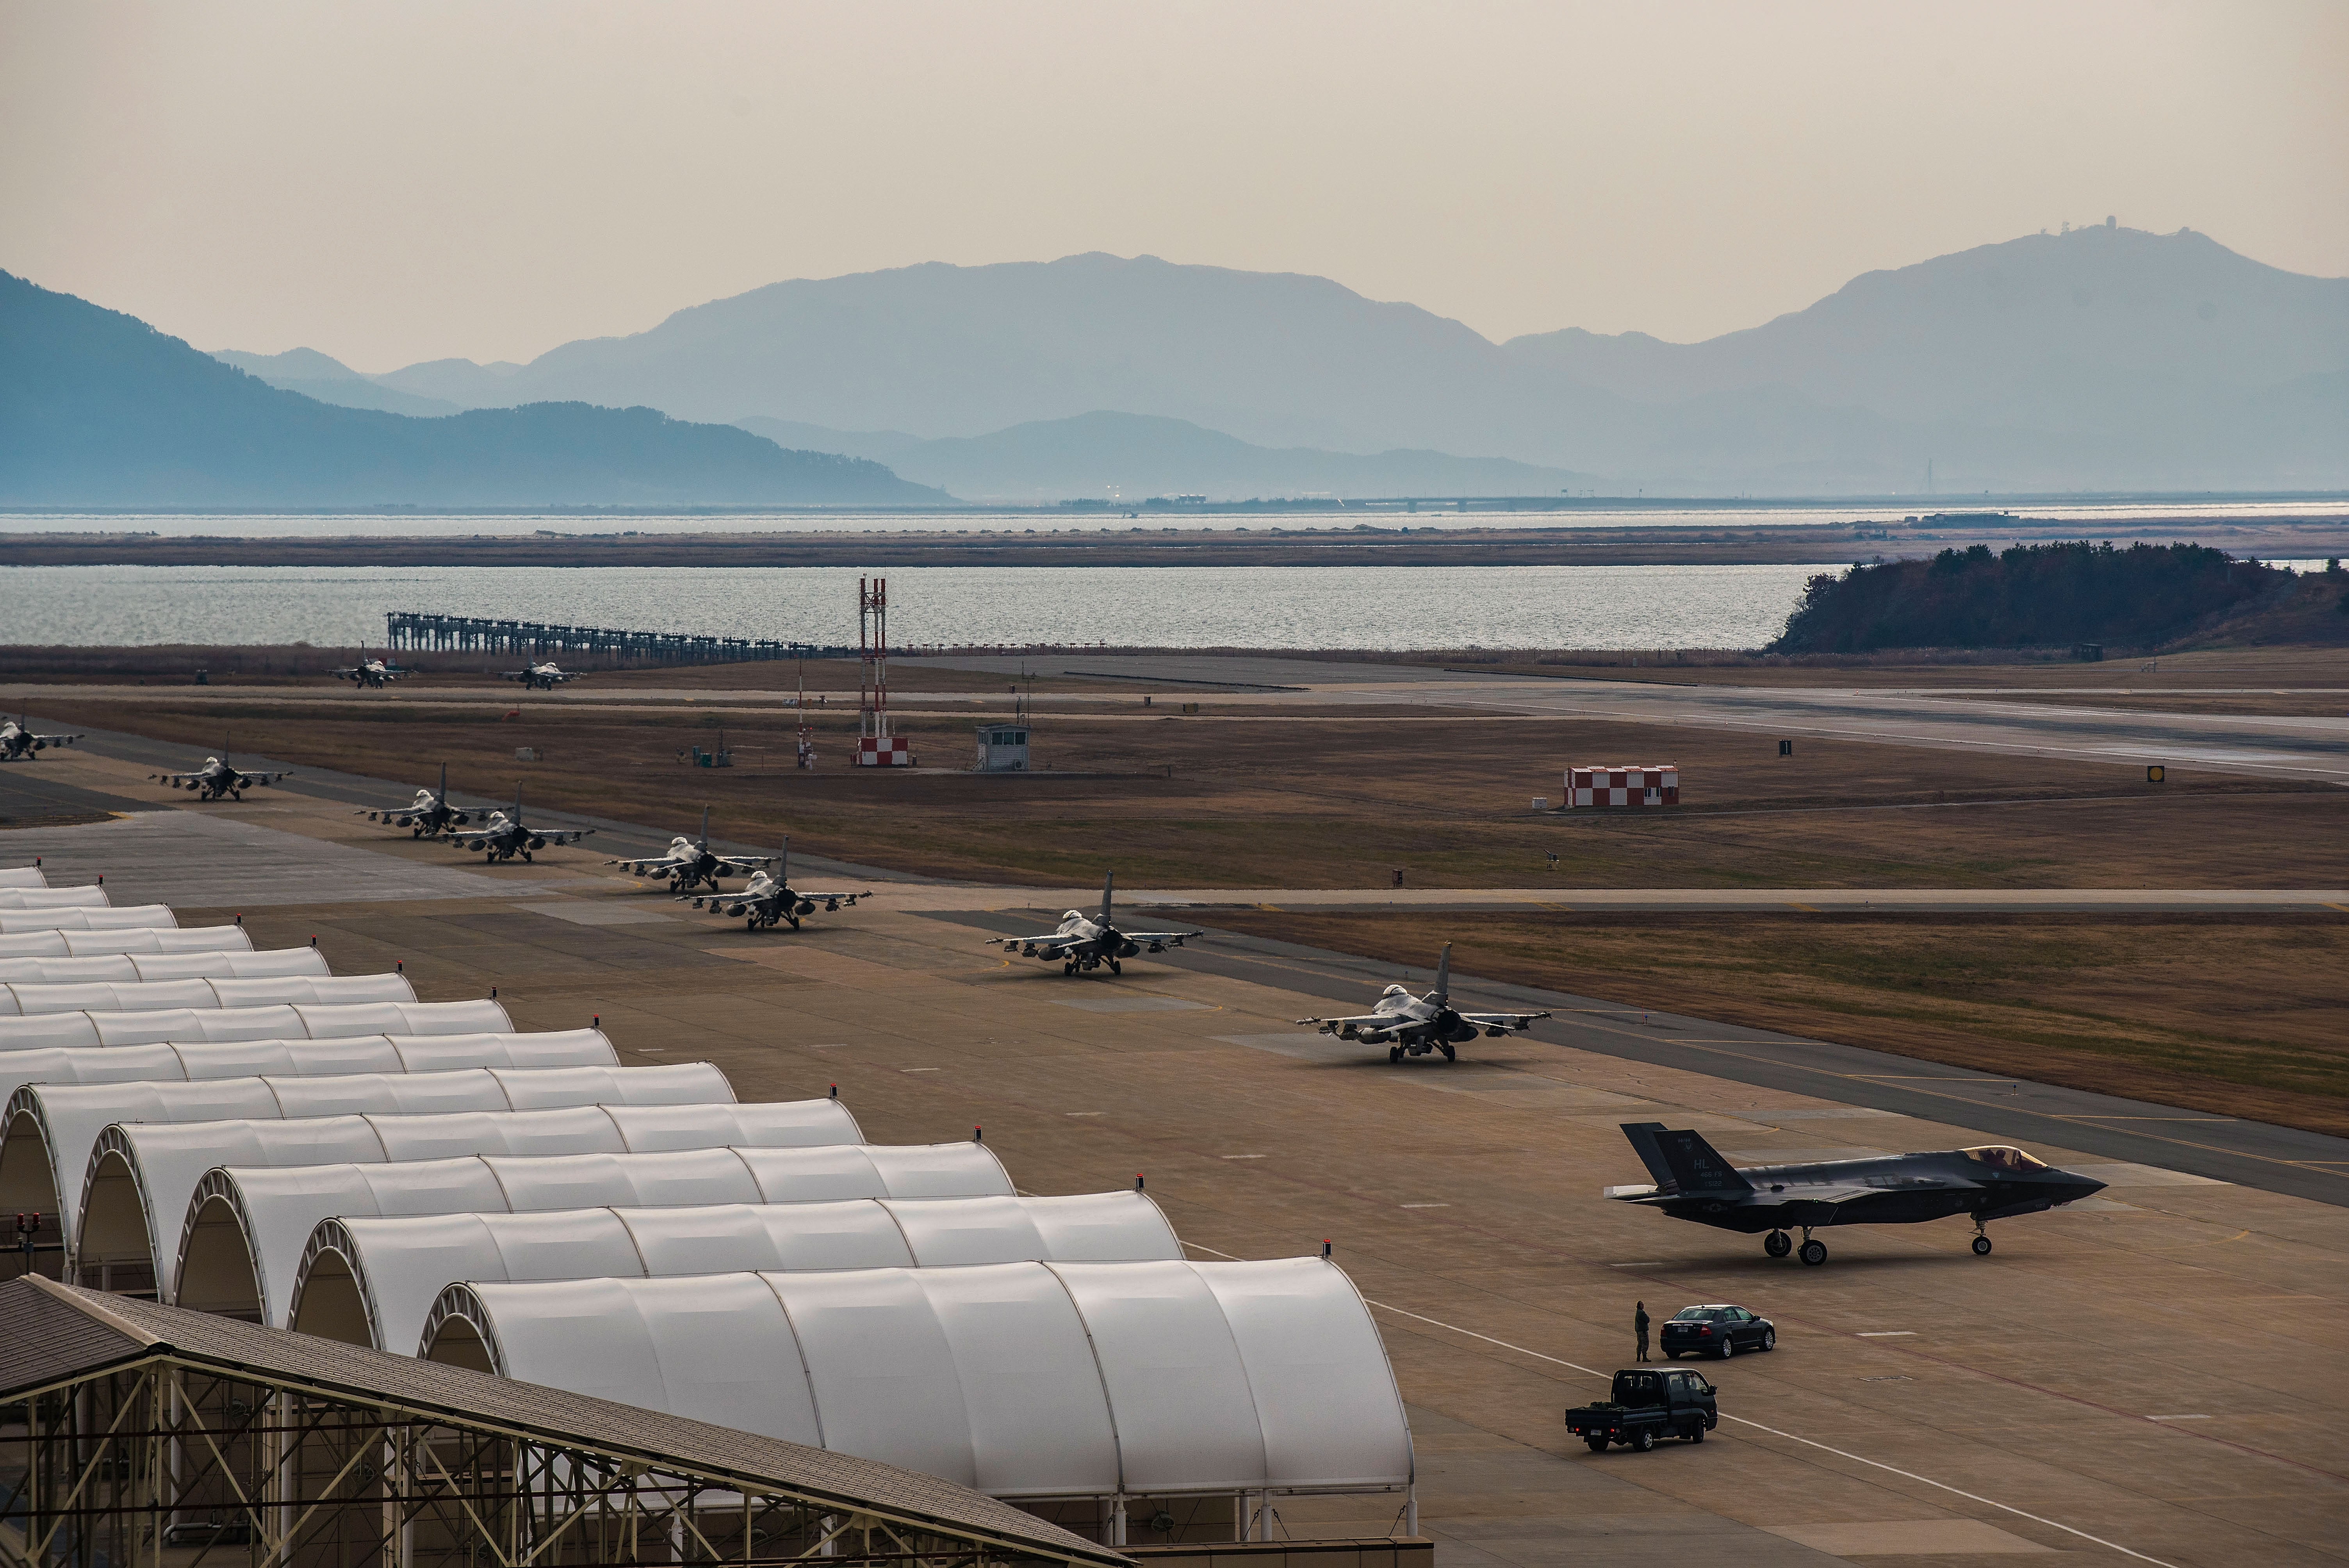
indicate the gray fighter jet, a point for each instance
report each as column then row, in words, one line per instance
column 538, row 676
column 1692, row 1182
column 429, row 817
column 18, row 743
column 771, row 898
column 691, row 863
column 505, row 835
column 216, row 778
column 1410, row 1026
column 1083, row 944
column 373, row 674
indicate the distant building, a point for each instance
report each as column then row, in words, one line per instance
column 1003, row 747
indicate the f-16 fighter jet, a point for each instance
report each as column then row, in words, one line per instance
column 771, row 897
column 1083, row 944
column 1693, row 1182
column 20, row 744
column 505, row 835
column 216, row 778
column 1410, row 1026
column 542, row 677
column 373, row 674
column 691, row 862
column 430, row 816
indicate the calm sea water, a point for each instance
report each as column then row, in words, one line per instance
column 1178, row 606
column 2090, row 517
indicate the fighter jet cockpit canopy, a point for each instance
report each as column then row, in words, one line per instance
column 2004, row 1157
column 1394, row 991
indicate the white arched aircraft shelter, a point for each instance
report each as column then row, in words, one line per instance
column 129, row 917
column 191, row 1061
column 373, row 1281
column 271, row 1183
column 247, row 1227
column 134, row 967
column 289, row 1022
column 23, row 876
column 145, row 939
column 50, row 1133
column 35, row 898
column 266, row 991
column 1025, row 1380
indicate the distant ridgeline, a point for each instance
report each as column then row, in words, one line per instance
column 2037, row 595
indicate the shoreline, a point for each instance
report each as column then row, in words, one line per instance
column 1360, row 544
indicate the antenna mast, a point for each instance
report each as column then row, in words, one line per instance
column 875, row 746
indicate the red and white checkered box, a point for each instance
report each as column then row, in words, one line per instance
column 883, row 751
column 1656, row 785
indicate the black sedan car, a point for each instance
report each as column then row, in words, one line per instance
column 1720, row 1331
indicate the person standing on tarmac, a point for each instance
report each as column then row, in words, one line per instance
column 1640, row 1325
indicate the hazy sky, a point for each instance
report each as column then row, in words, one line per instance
column 393, row 182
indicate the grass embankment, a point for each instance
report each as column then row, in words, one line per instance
column 1330, row 801
column 2236, row 1016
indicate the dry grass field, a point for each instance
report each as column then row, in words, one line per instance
column 1329, row 801
column 2238, row 1016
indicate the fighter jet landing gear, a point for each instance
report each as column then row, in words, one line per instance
column 1981, row 1241
column 1777, row 1243
column 1070, row 967
column 1115, row 968
column 1449, row 1053
column 1394, row 1052
column 1814, row 1252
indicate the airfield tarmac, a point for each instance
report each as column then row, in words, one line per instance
column 2156, row 1374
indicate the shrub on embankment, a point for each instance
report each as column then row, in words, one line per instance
column 2033, row 595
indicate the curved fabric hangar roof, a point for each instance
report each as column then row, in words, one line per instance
column 1020, row 1379
column 196, row 1060
column 129, row 917
column 131, row 967
column 288, row 1021
column 24, row 876
column 51, row 1131
column 46, row 897
column 240, row 1249
column 373, row 1281
column 143, row 995
column 51, row 944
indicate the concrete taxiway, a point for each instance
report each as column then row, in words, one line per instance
column 2157, row 1375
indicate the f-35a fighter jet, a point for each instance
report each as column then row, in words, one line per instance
column 505, row 835
column 771, row 897
column 691, row 862
column 429, row 816
column 1083, row 944
column 538, row 676
column 1996, row 1181
column 1410, row 1026
column 216, row 778
column 373, row 674
column 18, row 743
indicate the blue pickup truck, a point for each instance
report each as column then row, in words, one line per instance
column 1648, row 1403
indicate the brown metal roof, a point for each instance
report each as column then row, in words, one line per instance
column 50, row 1332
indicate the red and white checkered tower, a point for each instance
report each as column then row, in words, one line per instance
column 875, row 746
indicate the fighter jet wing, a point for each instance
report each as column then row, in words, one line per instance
column 744, row 865
column 1501, row 1020
column 246, row 781
column 179, row 777
column 559, row 835
column 1048, row 943
column 1361, row 1021
column 647, row 866
column 56, row 739
column 1153, row 939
